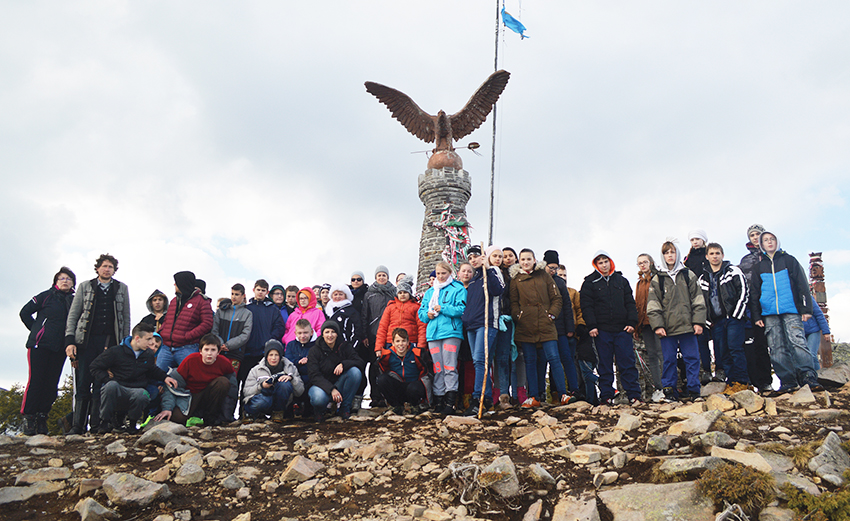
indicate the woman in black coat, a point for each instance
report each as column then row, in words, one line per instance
column 46, row 348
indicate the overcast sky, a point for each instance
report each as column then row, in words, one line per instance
column 237, row 140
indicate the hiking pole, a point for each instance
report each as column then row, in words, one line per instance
column 73, row 388
column 486, row 343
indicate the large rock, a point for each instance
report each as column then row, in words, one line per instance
column 668, row 502
column 684, row 412
column 798, row 482
column 697, row 424
column 126, row 489
column 377, row 448
column 835, row 376
column 358, row 479
column 803, row 396
column 777, row 514
column 28, row 477
column 719, row 402
column 300, row 469
column 712, row 388
column 91, row 510
column 536, row 437
column 42, row 440
column 830, row 460
column 628, row 422
column 576, row 509
column 500, row 476
column 750, row 459
column 166, row 425
column 690, row 467
column 711, row 439
column 232, row 482
column 414, row 462
column 13, row 494
column 189, row 473
column 777, row 462
column 659, row 444
column 539, row 475
column 750, row 401
column 827, row 415
column 158, row 436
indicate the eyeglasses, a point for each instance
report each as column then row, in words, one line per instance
column 358, row 279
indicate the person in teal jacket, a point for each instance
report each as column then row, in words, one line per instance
column 441, row 310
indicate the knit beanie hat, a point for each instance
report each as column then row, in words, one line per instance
column 551, row 257
column 185, row 281
column 698, row 234
column 273, row 345
column 756, row 227
column 331, row 324
column 473, row 250
column 359, row 274
column 382, row 269
column 202, row 285
column 277, row 287
column 406, row 284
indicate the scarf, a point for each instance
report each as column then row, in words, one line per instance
column 332, row 306
column 435, row 295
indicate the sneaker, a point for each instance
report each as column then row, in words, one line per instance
column 130, row 427
column 193, row 421
column 277, row 416
column 147, row 421
column 670, row 394
column 814, row 385
column 504, row 402
column 567, row 399
column 530, row 403
column 356, row 403
column 398, row 410
column 634, row 402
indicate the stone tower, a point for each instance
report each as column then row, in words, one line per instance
column 444, row 185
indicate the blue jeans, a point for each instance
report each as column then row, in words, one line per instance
column 535, row 369
column 168, row 357
column 619, row 346
column 590, row 380
column 813, row 341
column 506, row 377
column 476, row 344
column 347, row 384
column 789, row 352
column 269, row 400
column 567, row 352
column 687, row 344
column 728, row 336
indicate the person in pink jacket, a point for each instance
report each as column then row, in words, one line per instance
column 307, row 310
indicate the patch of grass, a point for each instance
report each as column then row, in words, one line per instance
column 799, row 454
column 656, row 475
column 747, row 487
column 829, row 506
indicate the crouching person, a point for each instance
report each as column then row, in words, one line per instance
column 335, row 372
column 272, row 384
column 208, row 377
column 124, row 371
column 404, row 373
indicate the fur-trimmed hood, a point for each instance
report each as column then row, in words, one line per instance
column 516, row 269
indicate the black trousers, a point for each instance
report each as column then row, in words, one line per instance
column 88, row 390
column 396, row 392
column 45, row 370
column 758, row 357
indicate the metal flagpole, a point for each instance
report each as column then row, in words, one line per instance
column 493, row 148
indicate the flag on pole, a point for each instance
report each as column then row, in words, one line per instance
column 513, row 24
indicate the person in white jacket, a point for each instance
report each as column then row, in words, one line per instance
column 271, row 384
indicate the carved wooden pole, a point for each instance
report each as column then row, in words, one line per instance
column 818, row 289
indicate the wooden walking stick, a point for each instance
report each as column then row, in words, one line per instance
column 486, row 343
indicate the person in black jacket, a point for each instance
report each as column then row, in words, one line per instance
column 755, row 340
column 609, row 309
column 123, row 372
column 335, row 372
column 46, row 348
column 697, row 262
column 565, row 324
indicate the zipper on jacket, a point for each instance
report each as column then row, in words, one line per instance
column 40, row 332
column 775, row 288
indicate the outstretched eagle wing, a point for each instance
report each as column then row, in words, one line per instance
column 473, row 114
column 415, row 120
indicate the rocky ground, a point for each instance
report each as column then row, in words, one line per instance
column 565, row 462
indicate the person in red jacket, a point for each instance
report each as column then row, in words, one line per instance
column 189, row 318
column 403, row 312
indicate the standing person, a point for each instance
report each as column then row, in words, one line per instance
column 375, row 302
column 696, row 261
column 518, row 377
column 206, row 380
column 291, row 301
column 341, row 310
column 535, row 304
column 441, row 311
column 755, row 342
column 504, row 367
column 45, row 348
column 125, row 370
column 781, row 303
column 157, row 304
column 272, row 384
column 306, row 310
column 278, row 295
column 401, row 312
column 477, row 328
column 676, row 311
column 358, row 288
column 609, row 310
column 399, row 277
column 580, row 333
column 233, row 323
column 188, row 319
column 724, row 289
column 405, row 373
column 99, row 318
column 647, row 270
column 335, row 372
column 814, row 328
column 325, row 297
column 266, row 325
column 565, row 324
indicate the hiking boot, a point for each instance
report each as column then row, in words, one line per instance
column 398, row 410
column 504, row 402
column 356, row 403
column 130, row 426
column 277, row 416
column 451, row 399
column 29, row 425
column 530, row 403
column 670, row 394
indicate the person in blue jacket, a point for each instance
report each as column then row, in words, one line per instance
column 441, row 311
column 814, row 328
column 781, row 303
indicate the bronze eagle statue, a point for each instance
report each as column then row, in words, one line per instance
column 442, row 129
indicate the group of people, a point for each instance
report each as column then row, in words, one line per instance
column 489, row 330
